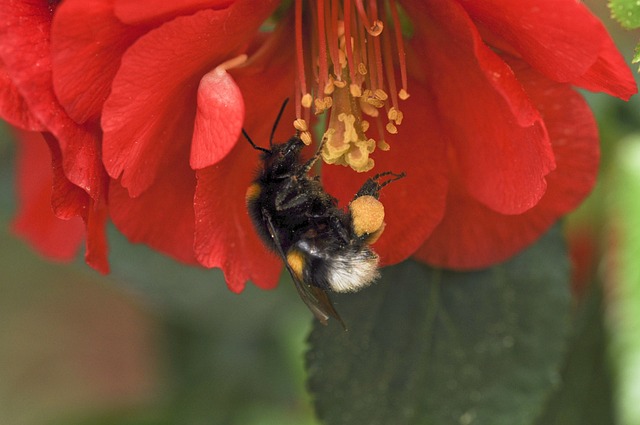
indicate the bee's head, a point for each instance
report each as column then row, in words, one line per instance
column 283, row 158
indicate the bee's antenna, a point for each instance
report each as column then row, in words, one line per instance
column 275, row 124
column 258, row 148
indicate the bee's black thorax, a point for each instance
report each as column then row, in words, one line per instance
column 303, row 214
column 324, row 247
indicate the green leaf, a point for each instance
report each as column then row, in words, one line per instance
column 626, row 12
column 585, row 397
column 427, row 346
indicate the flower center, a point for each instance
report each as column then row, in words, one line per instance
column 349, row 72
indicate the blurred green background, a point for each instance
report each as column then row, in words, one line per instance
column 158, row 343
column 154, row 342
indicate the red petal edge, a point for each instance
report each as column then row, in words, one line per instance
column 500, row 145
column 35, row 221
column 471, row 236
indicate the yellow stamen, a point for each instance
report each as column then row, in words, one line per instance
column 306, row 100
column 300, row 125
column 355, row 50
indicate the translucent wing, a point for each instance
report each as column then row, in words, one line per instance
column 315, row 298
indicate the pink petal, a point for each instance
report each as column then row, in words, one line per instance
column 218, row 119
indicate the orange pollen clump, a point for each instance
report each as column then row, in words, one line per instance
column 347, row 55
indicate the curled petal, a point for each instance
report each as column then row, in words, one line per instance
column 147, row 11
column 473, row 236
column 162, row 217
column 68, row 201
column 218, row 119
column 24, row 41
column 87, row 42
column 150, row 113
column 609, row 74
column 500, row 145
column 35, row 221
column 97, row 248
column 13, row 107
column 560, row 38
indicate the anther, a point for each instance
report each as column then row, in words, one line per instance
column 300, row 125
column 307, row 100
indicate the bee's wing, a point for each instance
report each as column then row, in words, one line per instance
column 315, row 298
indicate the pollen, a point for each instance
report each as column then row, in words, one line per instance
column 307, row 99
column 300, row 125
column 367, row 214
column 350, row 65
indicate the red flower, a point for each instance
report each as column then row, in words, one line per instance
column 495, row 142
column 28, row 101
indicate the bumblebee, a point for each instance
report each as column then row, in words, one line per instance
column 324, row 247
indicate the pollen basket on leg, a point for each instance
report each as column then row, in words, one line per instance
column 348, row 55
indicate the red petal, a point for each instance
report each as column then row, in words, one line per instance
column 87, row 43
column 13, row 107
column 472, row 236
column 150, row 112
column 68, row 201
column 609, row 74
column 218, row 120
column 415, row 205
column 35, row 220
column 144, row 11
column 24, row 41
column 162, row 217
column 561, row 38
column 225, row 236
column 501, row 146
column 97, row 247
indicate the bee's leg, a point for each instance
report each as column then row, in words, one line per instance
column 284, row 203
column 309, row 164
column 373, row 186
column 293, row 198
column 339, row 229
